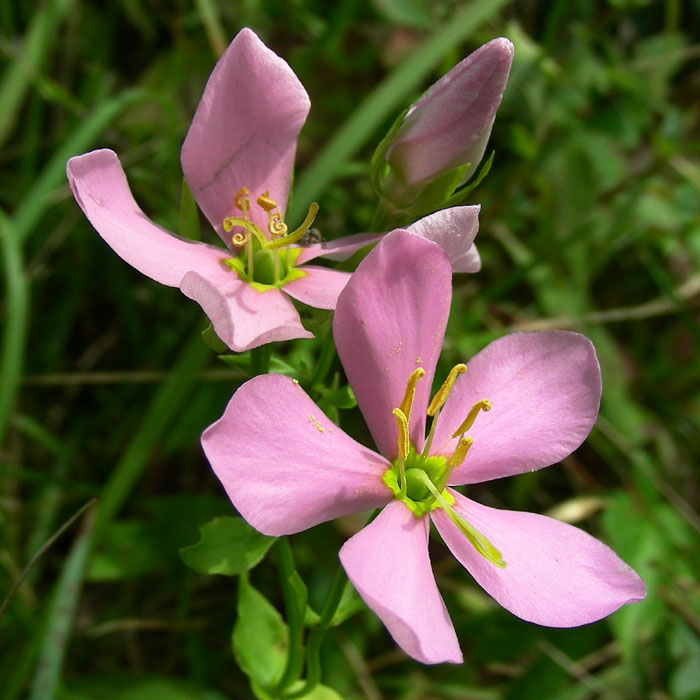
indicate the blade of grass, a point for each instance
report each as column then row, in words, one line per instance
column 31, row 56
column 35, row 202
column 60, row 616
column 165, row 404
column 40, row 553
column 386, row 98
column 15, row 331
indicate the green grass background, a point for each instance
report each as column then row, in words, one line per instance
column 590, row 221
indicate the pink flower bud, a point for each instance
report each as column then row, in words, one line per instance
column 450, row 124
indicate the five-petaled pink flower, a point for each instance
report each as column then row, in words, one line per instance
column 237, row 159
column 526, row 401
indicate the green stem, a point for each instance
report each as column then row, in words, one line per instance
column 295, row 619
column 326, row 357
column 313, row 647
column 249, row 249
column 260, row 359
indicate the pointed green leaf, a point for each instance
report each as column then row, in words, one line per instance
column 228, row 546
column 260, row 637
column 213, row 340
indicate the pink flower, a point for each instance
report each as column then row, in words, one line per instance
column 446, row 131
column 526, row 401
column 237, row 159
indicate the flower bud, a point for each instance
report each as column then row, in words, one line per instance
column 448, row 127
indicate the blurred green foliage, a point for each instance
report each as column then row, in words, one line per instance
column 590, row 221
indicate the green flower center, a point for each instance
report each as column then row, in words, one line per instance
column 419, row 480
column 417, row 496
column 266, row 260
column 271, row 269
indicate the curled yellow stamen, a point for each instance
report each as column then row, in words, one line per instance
column 444, row 391
column 403, row 441
column 240, row 239
column 295, row 235
column 460, row 452
column 408, row 397
column 242, row 202
column 483, row 405
column 275, row 225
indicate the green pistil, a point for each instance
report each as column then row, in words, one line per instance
column 272, row 269
column 426, row 478
column 417, row 497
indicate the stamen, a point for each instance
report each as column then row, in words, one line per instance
column 240, row 239
column 439, row 401
column 483, row 405
column 408, row 397
column 478, row 541
column 444, row 391
column 295, row 235
column 460, row 453
column 275, row 225
column 242, row 202
column 404, row 446
column 404, row 443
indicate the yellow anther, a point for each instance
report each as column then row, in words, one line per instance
column 444, row 391
column 266, row 202
column 275, row 225
column 403, row 441
column 483, row 405
column 460, row 452
column 242, row 202
column 408, row 397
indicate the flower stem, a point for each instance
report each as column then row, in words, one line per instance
column 260, row 359
column 249, row 249
column 295, row 617
column 313, row 647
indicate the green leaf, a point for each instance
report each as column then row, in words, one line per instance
column 260, row 637
column 188, row 217
column 228, row 546
column 350, row 603
column 213, row 340
column 300, row 591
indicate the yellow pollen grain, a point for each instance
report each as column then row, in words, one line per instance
column 316, row 424
column 397, row 349
column 419, row 360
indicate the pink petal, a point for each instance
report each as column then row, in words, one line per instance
column 454, row 230
column 450, row 124
column 389, row 565
column 320, row 287
column 243, row 317
column 555, row 574
column 284, row 465
column 100, row 188
column 544, row 388
column 339, row 249
column 389, row 321
column 244, row 131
